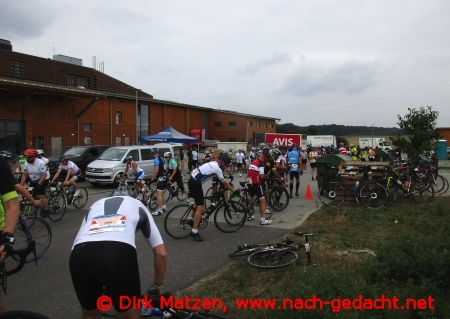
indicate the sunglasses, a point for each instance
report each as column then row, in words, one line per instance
column 30, row 157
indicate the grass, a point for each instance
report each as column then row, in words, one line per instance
column 402, row 250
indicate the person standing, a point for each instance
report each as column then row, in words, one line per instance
column 189, row 158
column 293, row 158
column 194, row 158
column 239, row 161
column 160, row 175
column 182, row 158
column 312, row 162
column 371, row 154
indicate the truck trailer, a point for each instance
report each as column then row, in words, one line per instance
column 321, row 140
column 376, row 142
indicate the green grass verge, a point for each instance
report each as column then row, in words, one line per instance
column 401, row 251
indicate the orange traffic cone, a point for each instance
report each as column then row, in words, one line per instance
column 308, row 192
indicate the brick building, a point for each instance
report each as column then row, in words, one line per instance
column 56, row 104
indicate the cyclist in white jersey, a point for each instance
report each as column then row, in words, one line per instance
column 198, row 177
column 104, row 254
column 35, row 170
column 73, row 172
column 40, row 155
column 132, row 168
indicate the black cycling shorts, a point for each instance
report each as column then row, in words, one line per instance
column 257, row 189
column 109, row 264
column 161, row 183
column 196, row 192
column 41, row 190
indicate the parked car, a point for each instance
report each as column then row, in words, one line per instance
column 82, row 156
column 108, row 167
column 6, row 153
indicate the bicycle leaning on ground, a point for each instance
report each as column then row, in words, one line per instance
column 334, row 192
column 229, row 216
column 271, row 256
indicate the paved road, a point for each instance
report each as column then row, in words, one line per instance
column 46, row 288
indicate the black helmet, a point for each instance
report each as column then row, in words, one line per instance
column 224, row 157
column 63, row 158
column 266, row 152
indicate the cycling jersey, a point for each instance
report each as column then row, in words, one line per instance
column 45, row 160
column 21, row 162
column 270, row 166
column 343, row 150
column 159, row 161
column 282, row 161
column 35, row 170
column 207, row 171
column 255, row 169
column 239, row 157
column 139, row 174
column 172, row 165
column 70, row 165
column 117, row 219
column 7, row 189
column 293, row 160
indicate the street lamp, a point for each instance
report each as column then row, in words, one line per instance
column 372, row 134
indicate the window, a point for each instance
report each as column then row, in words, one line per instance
column 271, row 125
column 87, row 140
column 257, row 124
column 87, row 127
column 146, row 154
column 265, row 125
column 76, row 80
column 18, row 69
column 231, row 139
column 250, row 124
column 217, row 124
column 232, row 123
column 142, row 119
column 135, row 154
column 118, row 117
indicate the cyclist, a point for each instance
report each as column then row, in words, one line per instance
column 312, row 162
column 198, row 177
column 40, row 155
column 35, row 170
column 73, row 172
column 160, row 175
column 132, row 168
column 239, row 156
column 280, row 162
column 342, row 149
column 257, row 176
column 207, row 158
column 293, row 158
column 9, row 204
column 104, row 257
column 174, row 173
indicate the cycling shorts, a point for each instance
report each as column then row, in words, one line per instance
column 304, row 160
column 109, row 264
column 179, row 180
column 196, row 192
column 161, row 183
column 293, row 174
column 41, row 190
column 313, row 165
column 257, row 189
column 139, row 176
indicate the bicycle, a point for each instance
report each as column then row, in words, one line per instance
column 248, row 249
column 229, row 217
column 78, row 199
column 278, row 196
column 56, row 205
column 170, row 191
column 143, row 196
column 33, row 229
column 21, row 256
column 333, row 191
column 281, row 255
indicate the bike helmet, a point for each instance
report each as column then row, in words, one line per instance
column 129, row 157
column 167, row 154
column 39, row 152
column 154, row 150
column 266, row 152
column 63, row 158
column 341, row 144
column 224, row 157
column 275, row 153
column 30, row 152
column 121, row 191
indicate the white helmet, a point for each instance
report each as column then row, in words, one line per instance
column 39, row 152
column 167, row 154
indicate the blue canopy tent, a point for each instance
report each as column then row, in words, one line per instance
column 169, row 134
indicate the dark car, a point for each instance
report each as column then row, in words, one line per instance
column 80, row 155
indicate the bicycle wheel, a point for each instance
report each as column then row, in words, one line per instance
column 373, row 195
column 82, row 198
column 39, row 230
column 181, row 195
column 421, row 193
column 395, row 192
column 230, row 217
column 57, row 206
column 152, row 201
column 272, row 258
column 332, row 193
column 28, row 210
column 440, row 184
column 176, row 222
column 278, row 198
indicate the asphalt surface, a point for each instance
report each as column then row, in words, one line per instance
column 47, row 288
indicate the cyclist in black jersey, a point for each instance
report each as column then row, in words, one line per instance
column 9, row 204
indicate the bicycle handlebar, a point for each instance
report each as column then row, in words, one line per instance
column 21, row 253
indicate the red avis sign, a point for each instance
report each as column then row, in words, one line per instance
column 283, row 139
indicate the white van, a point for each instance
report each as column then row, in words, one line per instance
column 107, row 167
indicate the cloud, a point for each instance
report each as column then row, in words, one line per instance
column 25, row 19
column 351, row 77
column 253, row 68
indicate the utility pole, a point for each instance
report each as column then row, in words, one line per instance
column 372, row 134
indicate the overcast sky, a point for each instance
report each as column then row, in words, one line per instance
column 305, row 62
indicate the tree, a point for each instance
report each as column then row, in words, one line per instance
column 420, row 125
